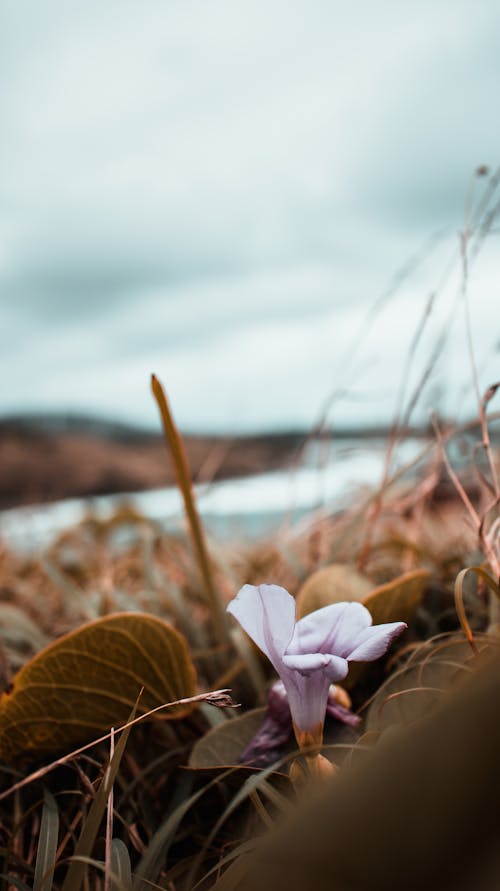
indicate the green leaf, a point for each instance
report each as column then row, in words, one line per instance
column 223, row 745
column 47, row 845
column 87, row 682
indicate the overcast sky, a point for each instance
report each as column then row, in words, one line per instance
column 219, row 191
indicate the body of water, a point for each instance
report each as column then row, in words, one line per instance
column 244, row 508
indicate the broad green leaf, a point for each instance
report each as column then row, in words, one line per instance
column 87, row 682
column 331, row 584
column 223, row 745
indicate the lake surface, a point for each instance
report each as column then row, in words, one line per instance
column 251, row 507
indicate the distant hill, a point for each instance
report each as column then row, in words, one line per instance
column 46, row 458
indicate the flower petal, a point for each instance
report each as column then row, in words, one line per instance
column 264, row 747
column 267, row 614
column 307, row 696
column 332, row 667
column 373, row 642
column 332, row 629
column 340, row 713
column 273, row 734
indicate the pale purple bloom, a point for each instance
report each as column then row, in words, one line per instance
column 314, row 652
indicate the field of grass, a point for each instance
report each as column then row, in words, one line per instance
column 166, row 803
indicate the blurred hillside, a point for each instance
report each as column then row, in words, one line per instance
column 44, row 459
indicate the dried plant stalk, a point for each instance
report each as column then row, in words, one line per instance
column 183, row 476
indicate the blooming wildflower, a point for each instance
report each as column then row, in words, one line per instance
column 312, row 653
column 275, row 730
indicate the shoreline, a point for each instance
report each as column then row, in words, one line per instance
column 44, row 459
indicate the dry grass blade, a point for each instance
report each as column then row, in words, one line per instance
column 183, row 475
column 251, row 784
column 231, row 879
column 483, row 404
column 245, row 847
column 109, row 818
column 459, row 598
column 47, row 845
column 282, row 803
column 218, row 698
column 98, row 865
column 261, row 809
column 77, row 869
column 157, row 850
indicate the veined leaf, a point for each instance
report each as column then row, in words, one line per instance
column 223, row 744
column 87, row 682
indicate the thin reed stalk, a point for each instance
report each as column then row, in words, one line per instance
column 183, row 476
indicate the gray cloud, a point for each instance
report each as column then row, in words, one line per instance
column 175, row 174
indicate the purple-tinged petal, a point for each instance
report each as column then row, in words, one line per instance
column 373, row 642
column 340, row 713
column 267, row 744
column 274, row 732
column 332, row 667
column 267, row 614
column 264, row 747
column 277, row 704
column 330, row 629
